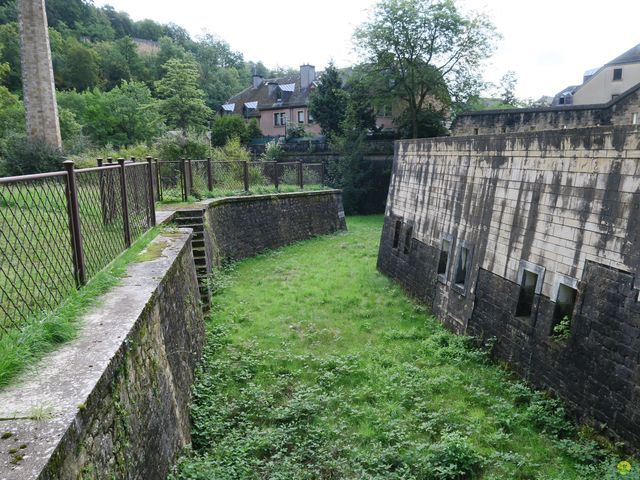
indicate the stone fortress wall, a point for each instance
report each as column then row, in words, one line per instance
column 507, row 235
column 624, row 110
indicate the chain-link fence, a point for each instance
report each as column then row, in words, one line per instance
column 57, row 230
column 179, row 180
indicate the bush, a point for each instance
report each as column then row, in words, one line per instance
column 23, row 157
column 174, row 146
column 272, row 152
column 232, row 150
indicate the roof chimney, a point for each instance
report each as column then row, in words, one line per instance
column 257, row 80
column 307, row 76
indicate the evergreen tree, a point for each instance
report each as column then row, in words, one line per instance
column 328, row 103
column 182, row 100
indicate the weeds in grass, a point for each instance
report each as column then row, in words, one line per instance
column 318, row 367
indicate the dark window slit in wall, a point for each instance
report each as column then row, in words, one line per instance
column 461, row 268
column 527, row 294
column 407, row 240
column 396, row 234
column 443, row 261
column 563, row 311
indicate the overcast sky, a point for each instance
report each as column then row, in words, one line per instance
column 548, row 43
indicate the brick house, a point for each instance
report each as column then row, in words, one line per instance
column 276, row 102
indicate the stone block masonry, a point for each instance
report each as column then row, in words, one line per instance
column 114, row 402
column 37, row 74
column 233, row 228
column 531, row 242
column 624, row 110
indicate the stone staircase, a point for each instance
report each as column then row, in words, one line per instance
column 194, row 219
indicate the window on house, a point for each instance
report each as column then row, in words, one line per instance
column 407, row 240
column 634, row 119
column 528, row 284
column 396, row 234
column 278, row 94
column 279, row 119
column 563, row 312
column 461, row 267
column 300, row 116
column 617, row 74
column 443, row 261
column 561, row 101
column 475, row 131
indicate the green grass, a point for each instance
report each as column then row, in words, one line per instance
column 21, row 348
column 319, row 367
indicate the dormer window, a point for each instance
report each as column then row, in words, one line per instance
column 617, row 74
column 279, row 94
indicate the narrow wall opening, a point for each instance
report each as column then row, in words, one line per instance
column 527, row 294
column 396, row 234
column 407, row 240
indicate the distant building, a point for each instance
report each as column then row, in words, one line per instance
column 609, row 95
column 276, row 102
column 606, row 83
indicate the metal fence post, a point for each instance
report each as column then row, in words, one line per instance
column 276, row 177
column 109, row 160
column 133, row 159
column 99, row 161
column 125, row 203
column 245, row 175
column 152, row 201
column 74, row 224
column 209, row 175
column 190, row 165
column 158, row 179
column 300, row 177
column 183, row 168
column 322, row 174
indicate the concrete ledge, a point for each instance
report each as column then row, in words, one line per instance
column 114, row 402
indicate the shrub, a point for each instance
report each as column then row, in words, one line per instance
column 23, row 157
column 232, row 150
column 174, row 146
column 272, row 152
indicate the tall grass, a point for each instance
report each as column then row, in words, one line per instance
column 20, row 349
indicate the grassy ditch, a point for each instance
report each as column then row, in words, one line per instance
column 22, row 348
column 318, row 367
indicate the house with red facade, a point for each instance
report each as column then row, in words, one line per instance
column 277, row 102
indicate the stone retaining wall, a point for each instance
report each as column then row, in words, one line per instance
column 561, row 208
column 114, row 402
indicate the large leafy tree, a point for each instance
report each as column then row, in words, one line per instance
column 421, row 51
column 328, row 103
column 182, row 102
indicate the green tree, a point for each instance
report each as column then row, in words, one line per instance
column 328, row 102
column 126, row 115
column 79, row 67
column 119, row 61
column 422, row 49
column 10, row 53
column 182, row 100
column 225, row 127
column 508, row 84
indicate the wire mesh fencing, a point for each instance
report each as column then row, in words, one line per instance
column 179, row 180
column 57, row 230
